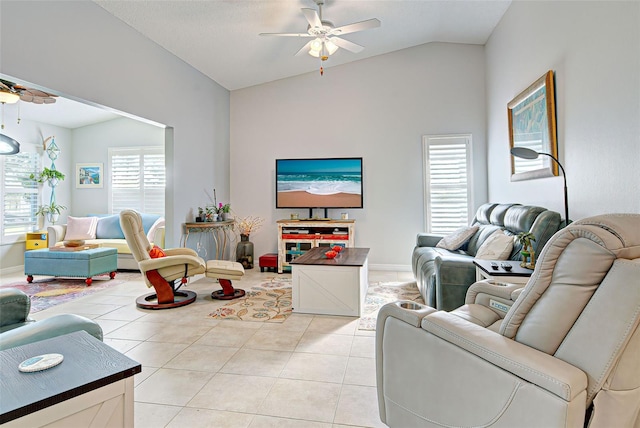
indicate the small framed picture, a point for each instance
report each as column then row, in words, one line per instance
column 89, row 175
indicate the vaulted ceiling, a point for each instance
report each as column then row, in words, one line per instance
column 220, row 38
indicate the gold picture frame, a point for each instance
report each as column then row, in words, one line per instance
column 532, row 124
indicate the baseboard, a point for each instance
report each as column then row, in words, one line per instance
column 12, row 269
column 396, row 268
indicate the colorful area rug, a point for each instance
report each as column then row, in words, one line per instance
column 381, row 293
column 270, row 301
column 48, row 292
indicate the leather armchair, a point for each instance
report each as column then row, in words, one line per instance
column 177, row 264
column 564, row 354
column 16, row 328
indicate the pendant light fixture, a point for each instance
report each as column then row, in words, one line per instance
column 8, row 146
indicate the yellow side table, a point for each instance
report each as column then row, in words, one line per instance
column 36, row 240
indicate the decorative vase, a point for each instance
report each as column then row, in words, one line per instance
column 225, row 216
column 244, row 252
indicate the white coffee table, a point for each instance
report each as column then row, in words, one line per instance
column 330, row 286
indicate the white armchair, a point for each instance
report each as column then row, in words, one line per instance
column 565, row 354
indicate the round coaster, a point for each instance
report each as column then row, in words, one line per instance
column 41, row 362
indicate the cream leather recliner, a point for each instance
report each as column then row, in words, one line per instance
column 175, row 265
column 566, row 353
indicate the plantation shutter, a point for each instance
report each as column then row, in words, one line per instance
column 19, row 193
column 447, row 165
column 137, row 180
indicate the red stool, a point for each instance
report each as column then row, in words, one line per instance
column 268, row 261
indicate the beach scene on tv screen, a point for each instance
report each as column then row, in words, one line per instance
column 321, row 183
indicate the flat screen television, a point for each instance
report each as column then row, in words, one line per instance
column 319, row 183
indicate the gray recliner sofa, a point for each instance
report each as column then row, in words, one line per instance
column 443, row 276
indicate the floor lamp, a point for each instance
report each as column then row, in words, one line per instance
column 525, row 153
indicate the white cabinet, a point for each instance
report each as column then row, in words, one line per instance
column 295, row 237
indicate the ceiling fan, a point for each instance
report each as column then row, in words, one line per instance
column 11, row 92
column 325, row 37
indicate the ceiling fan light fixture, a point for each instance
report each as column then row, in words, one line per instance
column 8, row 97
column 331, row 47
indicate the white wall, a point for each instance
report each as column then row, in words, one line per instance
column 88, row 54
column 377, row 108
column 91, row 144
column 594, row 49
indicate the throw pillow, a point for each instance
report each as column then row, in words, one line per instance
column 156, row 252
column 109, row 228
column 458, row 238
column 81, row 228
column 498, row 246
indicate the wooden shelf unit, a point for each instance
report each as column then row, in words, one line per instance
column 295, row 237
column 36, row 240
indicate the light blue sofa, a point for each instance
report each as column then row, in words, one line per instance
column 16, row 328
column 109, row 234
column 443, row 276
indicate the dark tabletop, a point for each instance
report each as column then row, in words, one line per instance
column 516, row 269
column 88, row 364
column 347, row 257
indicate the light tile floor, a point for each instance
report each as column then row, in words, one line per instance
column 311, row 371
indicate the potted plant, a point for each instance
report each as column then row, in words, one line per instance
column 52, row 176
column 528, row 255
column 224, row 210
column 209, row 213
column 51, row 211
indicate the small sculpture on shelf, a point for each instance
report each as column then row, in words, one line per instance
column 527, row 252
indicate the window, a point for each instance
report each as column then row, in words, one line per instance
column 447, row 166
column 137, row 180
column 19, row 194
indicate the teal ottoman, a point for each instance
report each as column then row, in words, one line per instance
column 81, row 264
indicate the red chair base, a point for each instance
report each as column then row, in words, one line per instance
column 180, row 298
column 227, row 292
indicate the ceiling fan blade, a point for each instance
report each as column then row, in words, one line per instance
column 27, row 98
column 305, row 48
column 346, row 44
column 35, row 92
column 356, row 26
column 287, row 34
column 312, row 17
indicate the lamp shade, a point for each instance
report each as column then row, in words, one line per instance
column 8, row 146
column 524, row 153
column 9, row 97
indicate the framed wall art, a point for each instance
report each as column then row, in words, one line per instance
column 89, row 175
column 532, row 124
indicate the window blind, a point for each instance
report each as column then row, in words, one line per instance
column 447, row 183
column 19, row 193
column 137, row 180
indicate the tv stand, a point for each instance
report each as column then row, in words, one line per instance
column 295, row 237
column 326, row 214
